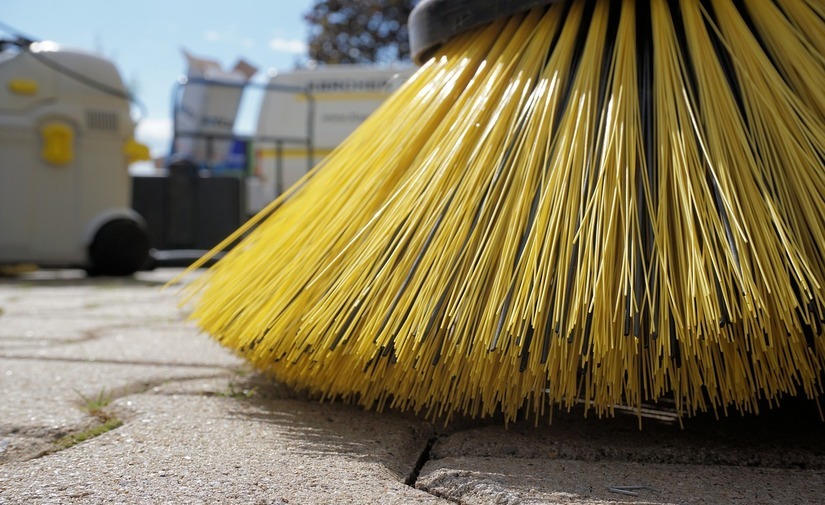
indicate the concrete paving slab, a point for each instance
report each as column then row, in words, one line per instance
column 43, row 401
column 180, row 419
column 34, row 332
column 777, row 457
column 792, row 437
column 184, row 421
column 67, row 339
column 181, row 446
column 166, row 344
column 483, row 481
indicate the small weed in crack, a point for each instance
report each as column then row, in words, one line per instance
column 75, row 438
column 94, row 406
column 233, row 391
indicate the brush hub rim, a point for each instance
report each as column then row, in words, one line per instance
column 434, row 22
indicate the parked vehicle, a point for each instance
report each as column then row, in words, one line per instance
column 66, row 141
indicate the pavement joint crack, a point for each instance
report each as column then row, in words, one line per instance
column 422, row 460
column 89, row 335
column 146, row 386
column 44, row 441
column 25, row 357
column 53, row 441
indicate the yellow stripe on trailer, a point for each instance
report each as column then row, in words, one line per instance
column 271, row 152
column 343, row 96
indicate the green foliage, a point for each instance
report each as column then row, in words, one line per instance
column 359, row 31
column 94, row 405
column 97, row 430
column 234, row 391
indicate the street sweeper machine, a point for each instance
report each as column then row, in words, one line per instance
column 66, row 141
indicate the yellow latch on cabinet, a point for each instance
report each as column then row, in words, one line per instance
column 58, row 143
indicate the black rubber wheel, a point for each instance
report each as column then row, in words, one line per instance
column 120, row 248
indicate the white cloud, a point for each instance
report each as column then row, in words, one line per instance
column 212, row 35
column 156, row 133
column 295, row 46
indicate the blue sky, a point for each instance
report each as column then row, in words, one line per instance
column 144, row 39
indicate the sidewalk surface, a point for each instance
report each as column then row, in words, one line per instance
column 108, row 395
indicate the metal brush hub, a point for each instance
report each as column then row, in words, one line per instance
column 433, row 22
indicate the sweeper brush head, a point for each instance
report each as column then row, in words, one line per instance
column 594, row 201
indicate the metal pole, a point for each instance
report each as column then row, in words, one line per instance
column 310, row 130
column 279, row 167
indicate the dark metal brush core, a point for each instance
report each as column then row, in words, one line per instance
column 433, row 22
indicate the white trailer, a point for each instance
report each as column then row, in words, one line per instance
column 305, row 114
column 66, row 140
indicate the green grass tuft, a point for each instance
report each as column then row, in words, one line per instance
column 95, row 431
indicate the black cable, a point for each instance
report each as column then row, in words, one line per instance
column 25, row 42
column 21, row 37
column 88, row 81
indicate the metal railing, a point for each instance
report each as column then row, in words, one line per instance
column 260, row 141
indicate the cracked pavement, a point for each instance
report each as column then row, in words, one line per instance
column 198, row 426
